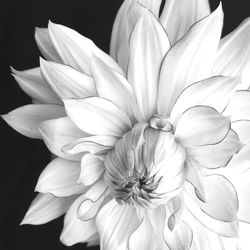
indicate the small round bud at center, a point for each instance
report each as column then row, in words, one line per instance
column 161, row 122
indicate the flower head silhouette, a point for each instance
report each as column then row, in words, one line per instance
column 151, row 143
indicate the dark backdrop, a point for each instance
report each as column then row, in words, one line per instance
column 22, row 159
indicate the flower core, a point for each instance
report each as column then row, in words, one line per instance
column 146, row 167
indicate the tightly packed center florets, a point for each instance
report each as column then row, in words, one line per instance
column 146, row 165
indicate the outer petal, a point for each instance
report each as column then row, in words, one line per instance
column 201, row 125
column 227, row 229
column 204, row 238
column 45, row 45
column 115, row 224
column 238, row 172
column 92, row 168
column 113, row 86
column 59, row 132
column 75, row 230
column 91, row 144
column 221, row 201
column 214, row 92
column 60, row 178
column 143, row 237
column 97, row 116
column 95, row 198
column 179, row 15
column 76, row 50
column 66, row 81
column 127, row 16
column 181, row 237
column 234, row 52
column 46, row 207
column 26, row 119
column 242, row 128
column 148, row 45
column 183, row 63
column 221, row 152
column 239, row 106
column 32, row 83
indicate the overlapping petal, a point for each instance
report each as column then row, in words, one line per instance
column 45, row 45
column 76, row 230
column 233, row 53
column 201, row 125
column 115, row 224
column 221, row 152
column 76, row 50
column 182, row 65
column 98, row 116
column 93, row 144
column 179, row 15
column 92, row 167
column 113, row 86
column 33, row 84
column 239, row 106
column 148, row 45
column 46, row 207
column 214, row 92
column 57, row 133
column 60, row 178
column 26, row 119
column 67, row 82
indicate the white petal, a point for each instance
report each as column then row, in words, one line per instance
column 45, row 45
column 242, row 128
column 125, row 21
column 189, row 60
column 32, row 83
column 92, row 144
column 75, row 230
column 214, row 92
column 227, row 229
column 95, row 198
column 204, row 238
column 148, row 45
column 60, row 178
column 238, row 172
column 26, row 119
column 115, row 224
column 91, row 169
column 179, row 15
column 46, row 207
column 66, row 81
column 113, row 86
column 221, row 198
column 143, row 237
column 244, row 232
column 75, row 49
column 234, row 52
column 201, row 125
column 59, row 132
column 239, row 106
column 152, row 5
column 221, row 152
column 195, row 177
column 181, row 237
column 97, row 116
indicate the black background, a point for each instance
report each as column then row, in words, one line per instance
column 22, row 159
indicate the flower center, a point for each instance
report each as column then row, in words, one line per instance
column 146, row 166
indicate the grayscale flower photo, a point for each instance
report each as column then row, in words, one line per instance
column 125, row 125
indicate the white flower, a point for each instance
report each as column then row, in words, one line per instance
column 152, row 145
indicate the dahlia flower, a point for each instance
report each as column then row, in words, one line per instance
column 151, row 143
